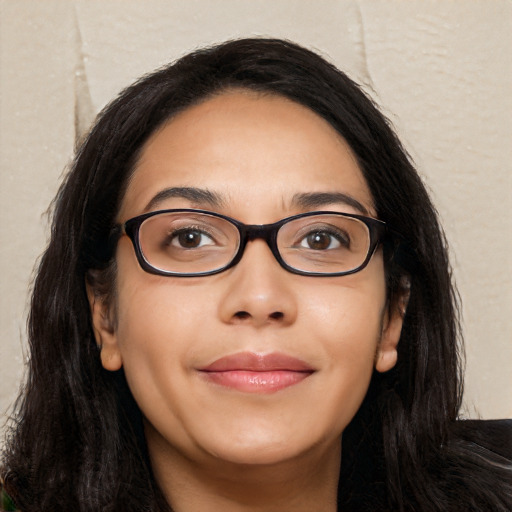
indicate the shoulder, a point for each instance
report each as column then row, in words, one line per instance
column 471, row 471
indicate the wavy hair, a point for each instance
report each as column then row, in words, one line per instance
column 77, row 441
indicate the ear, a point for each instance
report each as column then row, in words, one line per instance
column 386, row 356
column 392, row 323
column 104, row 331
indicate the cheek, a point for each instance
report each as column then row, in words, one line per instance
column 156, row 323
column 349, row 312
column 157, row 329
column 351, row 336
column 348, row 324
column 156, row 308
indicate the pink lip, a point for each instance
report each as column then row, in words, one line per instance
column 257, row 373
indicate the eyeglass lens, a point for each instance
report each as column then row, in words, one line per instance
column 190, row 242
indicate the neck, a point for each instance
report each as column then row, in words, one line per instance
column 304, row 483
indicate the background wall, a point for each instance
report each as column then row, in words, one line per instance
column 441, row 70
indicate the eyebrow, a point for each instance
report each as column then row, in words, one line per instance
column 304, row 200
column 319, row 199
column 197, row 196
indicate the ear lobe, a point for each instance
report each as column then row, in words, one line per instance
column 104, row 331
column 386, row 356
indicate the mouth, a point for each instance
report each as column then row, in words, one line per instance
column 256, row 373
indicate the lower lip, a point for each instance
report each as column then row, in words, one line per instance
column 256, row 382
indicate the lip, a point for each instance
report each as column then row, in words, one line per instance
column 257, row 373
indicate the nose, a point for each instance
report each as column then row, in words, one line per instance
column 258, row 290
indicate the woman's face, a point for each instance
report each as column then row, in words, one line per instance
column 293, row 354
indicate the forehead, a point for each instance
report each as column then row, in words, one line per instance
column 249, row 149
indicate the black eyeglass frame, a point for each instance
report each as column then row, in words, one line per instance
column 378, row 232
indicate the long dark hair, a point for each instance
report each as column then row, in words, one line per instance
column 77, row 441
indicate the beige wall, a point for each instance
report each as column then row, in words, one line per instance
column 441, row 69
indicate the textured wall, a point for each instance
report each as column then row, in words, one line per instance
column 441, row 69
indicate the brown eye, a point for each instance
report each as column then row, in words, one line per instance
column 319, row 241
column 190, row 239
column 325, row 240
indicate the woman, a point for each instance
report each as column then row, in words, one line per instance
column 244, row 265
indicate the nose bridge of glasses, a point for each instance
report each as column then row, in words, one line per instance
column 255, row 231
column 266, row 232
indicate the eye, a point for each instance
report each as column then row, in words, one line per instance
column 189, row 238
column 322, row 240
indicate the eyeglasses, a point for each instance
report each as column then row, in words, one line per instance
column 190, row 243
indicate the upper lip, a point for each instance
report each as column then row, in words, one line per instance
column 250, row 361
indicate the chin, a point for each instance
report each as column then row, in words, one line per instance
column 262, row 447
column 259, row 455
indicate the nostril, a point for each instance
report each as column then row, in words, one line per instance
column 244, row 315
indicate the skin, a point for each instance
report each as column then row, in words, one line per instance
column 214, row 448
